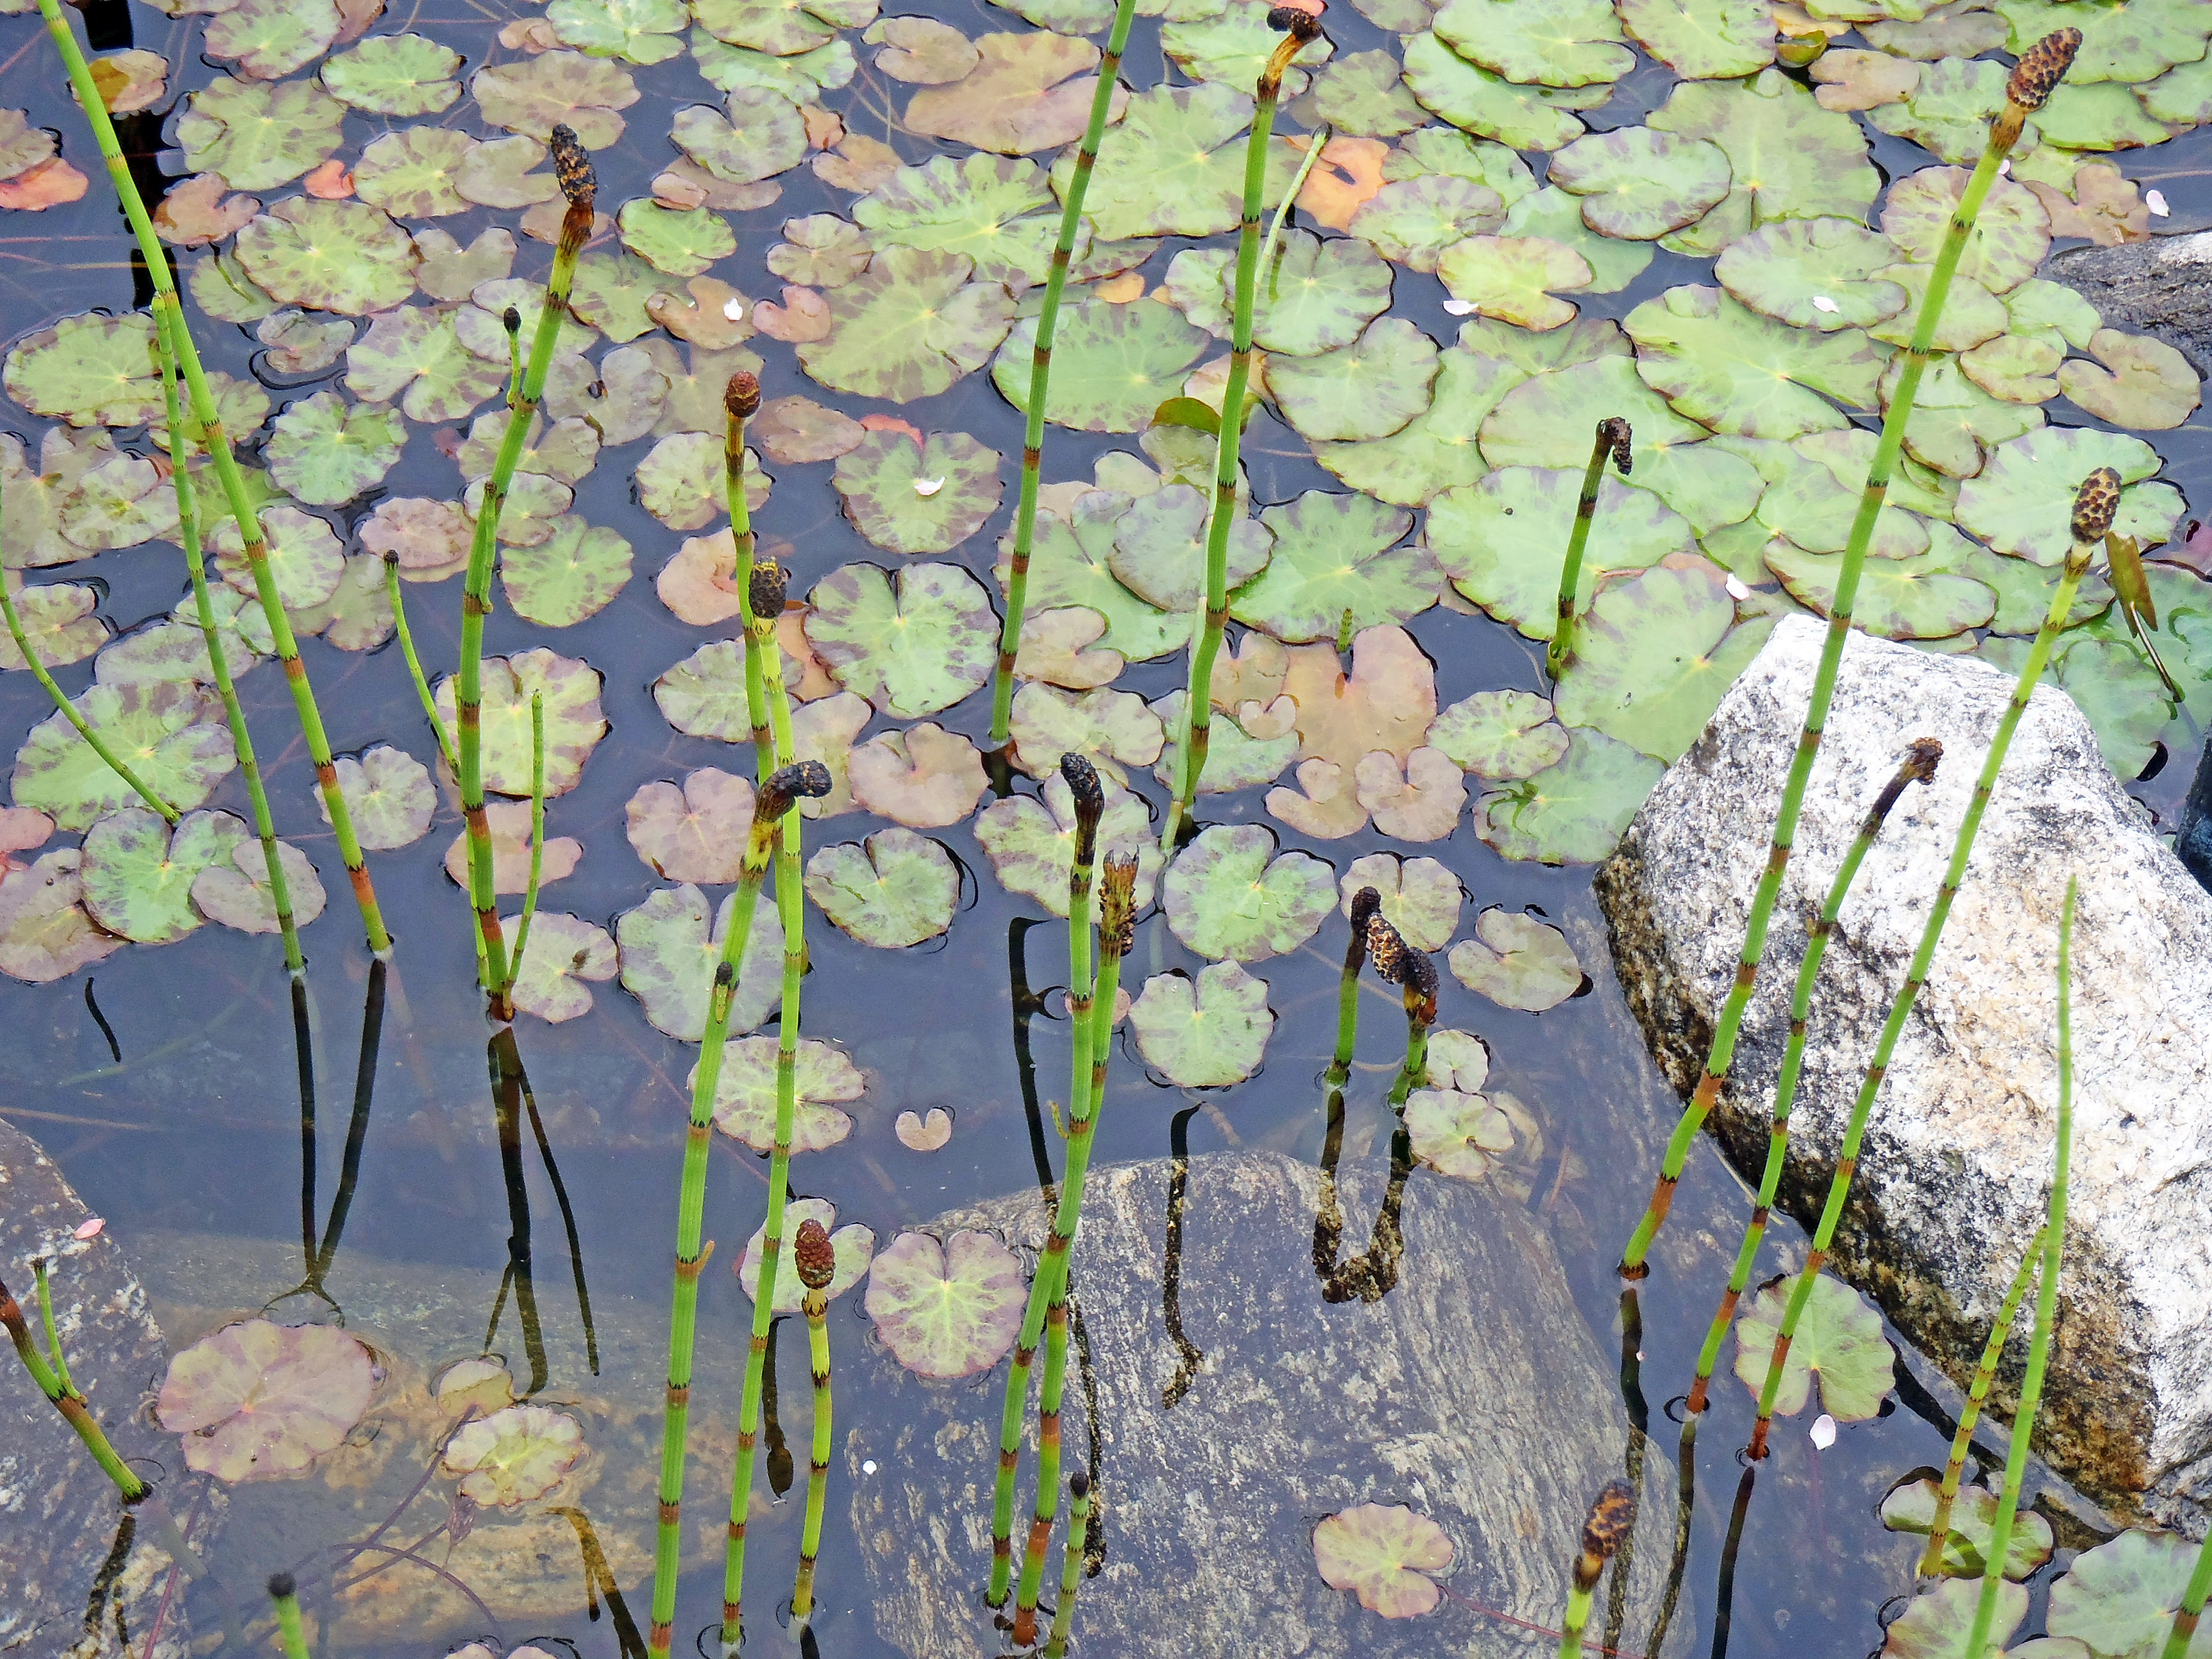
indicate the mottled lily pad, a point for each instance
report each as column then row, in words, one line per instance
column 929, row 497
column 1019, row 97
column 257, row 136
column 1513, row 278
column 893, row 889
column 853, row 1247
column 1839, row 1337
column 911, row 642
column 909, row 326
column 2143, row 383
column 389, row 795
column 259, row 1400
column 1420, row 897
column 1910, row 1507
column 1517, row 961
column 346, row 257
column 1457, row 1134
column 1703, row 40
column 394, row 74
column 1113, row 730
column 1573, row 812
column 44, row 934
column 1112, row 365
column 1031, row 841
column 1159, row 547
column 325, row 452
column 695, row 832
column 668, row 957
column 1813, row 273
column 411, row 174
column 2120, row 1597
column 234, row 891
column 138, row 876
column 574, row 723
column 946, row 1311
column 2023, row 499
column 89, row 370
column 1205, row 1033
column 1723, row 364
column 173, row 735
column 572, row 574
column 533, row 95
column 1548, row 419
column 1228, row 897
column 924, row 777
column 1639, row 183
column 1562, row 43
column 1527, row 117
column 1174, row 165
column 1500, row 734
column 745, row 1098
column 1367, row 390
column 1071, row 565
column 1383, row 1555
column 2011, row 233
column 1790, row 158
column 1654, row 655
column 987, row 206
column 514, row 1455
column 1412, row 221
column 1334, row 555
column 1940, row 1623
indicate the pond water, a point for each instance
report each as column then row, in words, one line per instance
column 163, row 1080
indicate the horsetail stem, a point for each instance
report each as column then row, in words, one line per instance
column 1401, row 965
column 579, row 185
column 2094, row 504
column 1117, row 909
column 817, row 1262
column 2046, row 1306
column 290, row 1632
column 537, row 837
column 1984, row 1373
column 392, row 593
column 741, row 400
column 51, row 1376
column 2192, row 1604
column 1613, row 439
column 1089, row 801
column 1071, row 1562
column 1605, row 1528
column 511, row 320
column 810, row 779
column 168, row 316
column 1301, row 28
column 2123, row 562
column 1919, row 767
column 1364, row 904
column 2031, row 83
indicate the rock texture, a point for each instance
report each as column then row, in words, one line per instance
column 1955, row 1167
column 1472, row 1392
column 2162, row 287
column 59, row 1515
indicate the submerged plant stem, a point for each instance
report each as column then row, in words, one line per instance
column 1971, row 1413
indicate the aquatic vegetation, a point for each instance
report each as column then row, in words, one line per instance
column 514, row 1455
column 259, row 1401
column 1517, row 962
column 1071, row 1568
column 815, row 1260
column 291, row 1631
column 947, row 1309
column 49, row 1371
column 1613, row 441
column 1383, row 1554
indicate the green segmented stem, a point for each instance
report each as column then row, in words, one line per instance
column 1055, row 284
column 574, row 170
column 2069, row 578
column 391, row 593
column 537, row 838
column 1611, row 1514
column 50, row 1372
column 1365, row 904
column 1613, row 439
column 817, row 1466
column 1071, row 1562
column 249, row 767
column 1045, row 1294
column 1116, row 907
column 2192, row 1604
column 1919, row 766
column 765, row 759
column 1984, row 1373
column 1206, row 641
column 290, row 1631
column 169, row 321
column 2004, row 131
column 2047, row 1313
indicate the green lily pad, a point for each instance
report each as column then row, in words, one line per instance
column 1955, row 424
column 59, row 619
column 325, row 452
column 668, row 956
column 912, row 642
column 823, row 250
column 908, row 327
column 1159, row 547
column 1923, row 598
column 1457, row 1134
column 574, row 725
column 136, row 877
column 345, row 256
column 220, row 288
column 413, row 354
column 683, row 242
column 1018, row 98
column 2118, row 692
column 572, row 574
column 1383, row 1555
column 1335, row 554
column 305, row 556
column 117, row 503
column 44, row 934
column 919, row 498
column 256, row 135
column 1791, row 158
column 1839, row 1337
column 1724, row 365
column 234, row 891
column 515, row 1455
column 498, row 173
column 1316, row 295
column 1517, row 961
column 1031, row 841
column 1941, row 1624
column 257, row 1400
column 394, row 74
column 1111, row 729
column 704, row 696
column 1639, row 183
column 1364, row 92
column 2182, row 96
column 1448, row 153
column 1071, row 564
column 2144, row 383
column 783, row 30
column 451, row 272
column 1972, row 314
column 1573, row 812
column 1473, row 98
column 1499, row 734
column 172, row 736
column 1412, row 222
column 1511, row 570
column 2132, row 44
column 1436, row 449
column 1112, row 365
column 1420, row 897
column 1226, row 898
column 1235, row 759
column 1654, row 655
column 1703, row 40
column 2120, row 1599
column 946, row 1311
column 268, row 39
column 1233, row 45
column 1565, row 43
column 1206, row 1033
column 1910, row 1507
column 1553, row 214
column 88, row 370
column 1819, row 274
column 411, row 174
column 1948, row 110
column 893, row 889
column 533, row 95
column 2022, row 501
column 300, row 344
column 801, row 78
column 1546, row 419
column 1814, row 495
column 681, row 482
column 1174, row 165
column 1368, row 389
column 2016, row 368
column 389, row 795
column 635, row 31
column 2011, row 233
column 987, row 206
column 1510, row 278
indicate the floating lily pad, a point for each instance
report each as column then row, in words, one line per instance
column 533, row 95
column 680, row 241
column 669, row 954
column 1112, row 729
column 1071, row 564
column 305, row 556
column 2120, row 1597
column 59, row 619
column 893, row 889
column 88, row 370
column 1723, row 364
column 1364, row 92
column 1940, row 1623
column 256, row 135
column 745, row 1097
column 682, row 481
column 929, row 497
column 325, row 452
column 1565, row 43
column 566, row 956
column 1383, row 1555
column 1436, row 449
column 852, row 1248
column 1314, row 296
column 1791, row 159
column 1955, row 424
column 2144, row 383
column 234, row 891
column 1159, row 547
column 911, row 642
column 1654, row 655
column 695, row 832
column 1923, row 598
column 1703, row 40
column 413, row 354
column 1526, row 117
column 1173, row 166
column 411, row 174
column 1335, row 554
column 173, row 735
column 514, row 1455
column 1910, row 1507
column 136, row 877
column 1839, row 1337
column 1813, row 273
column 946, row 1311
column 1458, row 1060
column 2011, row 233
column 1018, row 98
column 1367, row 390
column 986, row 207
column 1235, row 758
column 908, row 327
column 1226, row 898
column 574, row 723
column 346, row 257
column 1639, row 183
column 118, row 503
column 704, row 696
column 1417, row 800
column 44, row 934
column 388, row 794
column 270, row 39
column 2133, row 44
column 1031, row 841
column 1112, row 365
column 1412, row 222
column 1457, row 1134
column 1512, row 278
column 574, row 574
column 1500, row 734
column 1572, row 812
column 1548, row 419
column 1420, row 897
column 2023, row 499
column 1205, row 1033
column 636, row 31
column 1517, row 961
column 1232, row 47
column 394, row 74
column 257, row 1400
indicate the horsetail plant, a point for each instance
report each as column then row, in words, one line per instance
column 2046, row 1306
column 2192, row 1604
column 2094, row 505
column 291, row 1633
column 2131, row 587
column 168, row 316
column 1613, row 439
column 1301, row 29
column 393, row 596
column 1117, row 909
column 1605, row 1529
column 1089, row 802
column 816, row 1259
column 2033, row 77
column 1364, row 904
column 1401, row 965
column 1071, row 1562
column 1984, row 1373
column 741, row 401
column 1919, row 767
column 809, row 779
column 572, row 167
column 1056, row 284
column 49, row 1371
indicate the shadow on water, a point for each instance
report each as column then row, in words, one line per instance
column 512, row 1097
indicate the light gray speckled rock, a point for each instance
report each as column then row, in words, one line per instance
column 2162, row 287
column 1472, row 1392
column 1954, row 1170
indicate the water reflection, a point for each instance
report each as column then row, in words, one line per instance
column 512, row 1097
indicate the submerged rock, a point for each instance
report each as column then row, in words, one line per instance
column 1472, row 1392
column 1955, row 1168
column 2162, row 287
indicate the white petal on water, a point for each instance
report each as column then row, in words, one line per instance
column 1824, row 1431
column 927, row 487
column 1822, row 303
column 2156, row 201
